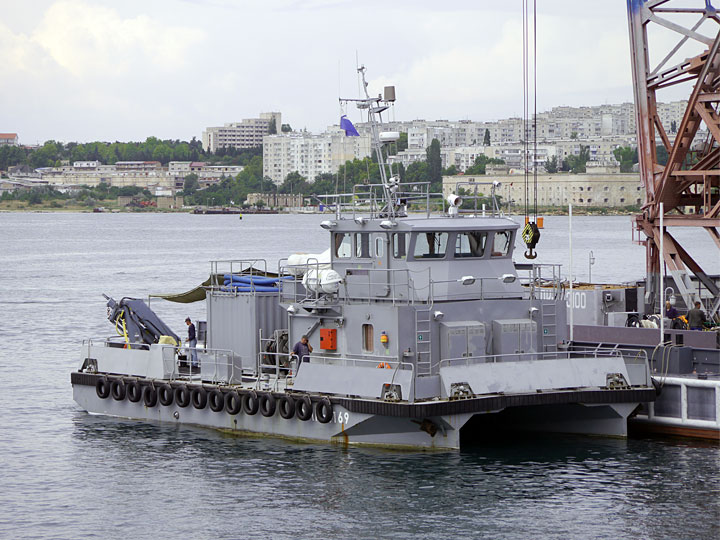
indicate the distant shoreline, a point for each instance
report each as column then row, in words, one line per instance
column 46, row 209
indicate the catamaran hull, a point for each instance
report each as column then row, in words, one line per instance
column 395, row 425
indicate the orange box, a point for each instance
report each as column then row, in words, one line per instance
column 328, row 339
column 540, row 222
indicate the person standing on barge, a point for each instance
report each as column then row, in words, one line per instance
column 696, row 317
column 302, row 349
column 192, row 342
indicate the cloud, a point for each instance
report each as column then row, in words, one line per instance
column 85, row 38
column 482, row 78
column 87, row 72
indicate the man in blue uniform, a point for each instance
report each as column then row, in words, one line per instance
column 192, row 342
column 302, row 349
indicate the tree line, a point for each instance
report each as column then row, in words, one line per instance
column 234, row 189
column 53, row 153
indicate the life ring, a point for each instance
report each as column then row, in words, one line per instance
column 304, row 408
column 150, row 396
column 134, row 391
column 286, row 404
column 198, row 396
column 384, row 365
column 216, row 400
column 267, row 404
column 233, row 403
column 117, row 390
column 250, row 402
column 165, row 395
column 102, row 388
column 324, row 410
column 182, row 396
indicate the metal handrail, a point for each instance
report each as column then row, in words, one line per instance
column 298, row 272
column 176, row 373
column 584, row 352
column 393, row 361
column 249, row 267
column 539, row 284
column 387, row 279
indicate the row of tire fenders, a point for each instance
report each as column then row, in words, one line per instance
column 233, row 402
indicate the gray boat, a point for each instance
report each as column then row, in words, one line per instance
column 424, row 334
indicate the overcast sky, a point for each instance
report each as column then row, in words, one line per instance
column 81, row 70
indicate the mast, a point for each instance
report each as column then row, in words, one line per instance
column 375, row 106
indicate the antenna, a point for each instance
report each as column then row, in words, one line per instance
column 375, row 106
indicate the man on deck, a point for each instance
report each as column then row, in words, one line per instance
column 696, row 317
column 192, row 342
column 302, row 349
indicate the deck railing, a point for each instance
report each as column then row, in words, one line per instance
column 631, row 357
column 214, row 365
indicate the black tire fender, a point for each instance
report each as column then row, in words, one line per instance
column 324, row 410
column 118, row 390
column 198, row 396
column 182, row 396
column 286, row 405
column 233, row 403
column 268, row 404
column 250, row 402
column 304, row 408
column 150, row 396
column 134, row 391
column 216, row 400
column 165, row 395
column 102, row 388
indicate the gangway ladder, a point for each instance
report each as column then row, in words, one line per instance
column 549, row 325
column 423, row 342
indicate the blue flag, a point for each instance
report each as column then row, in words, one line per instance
column 346, row 125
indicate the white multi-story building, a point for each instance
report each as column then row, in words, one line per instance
column 309, row 154
column 9, row 139
column 600, row 150
column 558, row 123
column 207, row 174
column 246, row 134
column 145, row 174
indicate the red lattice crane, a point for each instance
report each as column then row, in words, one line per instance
column 686, row 37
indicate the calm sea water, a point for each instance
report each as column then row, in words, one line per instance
column 66, row 474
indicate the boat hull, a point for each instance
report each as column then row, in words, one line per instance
column 430, row 426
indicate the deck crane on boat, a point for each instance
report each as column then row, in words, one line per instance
column 690, row 180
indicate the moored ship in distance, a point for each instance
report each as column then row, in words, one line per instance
column 424, row 333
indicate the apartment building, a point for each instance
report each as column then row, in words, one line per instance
column 559, row 123
column 9, row 139
column 207, row 174
column 309, row 154
column 600, row 151
column 246, row 134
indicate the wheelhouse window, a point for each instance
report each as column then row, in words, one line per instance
column 399, row 245
column 470, row 244
column 343, row 245
column 430, row 245
column 502, row 242
column 362, row 245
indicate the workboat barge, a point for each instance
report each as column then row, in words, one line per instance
column 424, row 334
